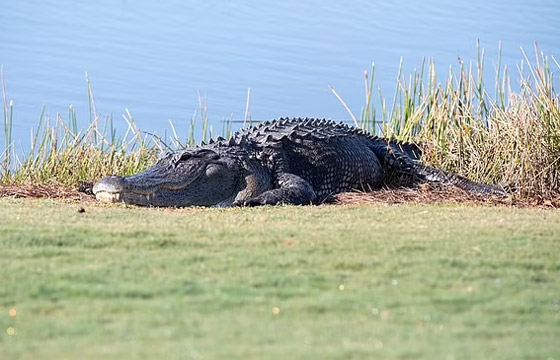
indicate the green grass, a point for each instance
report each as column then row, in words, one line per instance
column 430, row 282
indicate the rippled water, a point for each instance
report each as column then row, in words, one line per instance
column 153, row 57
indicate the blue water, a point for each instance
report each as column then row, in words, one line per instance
column 154, row 57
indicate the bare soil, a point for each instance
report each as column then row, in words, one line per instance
column 433, row 194
column 44, row 191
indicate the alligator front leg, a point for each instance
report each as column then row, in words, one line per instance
column 291, row 189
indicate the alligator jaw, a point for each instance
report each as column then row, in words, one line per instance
column 105, row 196
column 130, row 190
column 109, row 189
column 115, row 189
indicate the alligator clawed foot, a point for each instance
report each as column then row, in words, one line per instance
column 263, row 199
column 249, row 202
column 253, row 202
column 238, row 203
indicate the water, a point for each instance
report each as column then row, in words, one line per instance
column 154, row 57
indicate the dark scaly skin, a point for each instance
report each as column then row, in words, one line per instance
column 286, row 161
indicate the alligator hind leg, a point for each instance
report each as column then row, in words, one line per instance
column 292, row 190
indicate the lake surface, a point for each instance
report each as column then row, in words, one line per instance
column 154, row 57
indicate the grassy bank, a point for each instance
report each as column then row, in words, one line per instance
column 487, row 132
column 494, row 133
column 328, row 282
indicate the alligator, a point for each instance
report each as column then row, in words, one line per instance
column 284, row 161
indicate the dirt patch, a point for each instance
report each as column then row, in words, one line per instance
column 424, row 194
column 44, row 191
column 434, row 194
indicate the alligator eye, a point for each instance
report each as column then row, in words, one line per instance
column 185, row 156
column 214, row 171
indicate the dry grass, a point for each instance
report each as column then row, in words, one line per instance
column 429, row 194
column 49, row 191
column 499, row 134
column 424, row 194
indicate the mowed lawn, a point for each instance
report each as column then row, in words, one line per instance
column 318, row 282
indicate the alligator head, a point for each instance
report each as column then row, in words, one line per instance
column 193, row 177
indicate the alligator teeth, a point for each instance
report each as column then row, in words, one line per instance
column 106, row 196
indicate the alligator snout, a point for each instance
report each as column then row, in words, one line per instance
column 110, row 188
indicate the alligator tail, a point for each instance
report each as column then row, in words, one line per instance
column 431, row 174
column 403, row 159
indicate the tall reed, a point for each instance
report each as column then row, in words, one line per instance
column 62, row 153
column 492, row 134
column 8, row 112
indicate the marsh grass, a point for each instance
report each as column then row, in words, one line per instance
column 62, row 153
column 490, row 133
